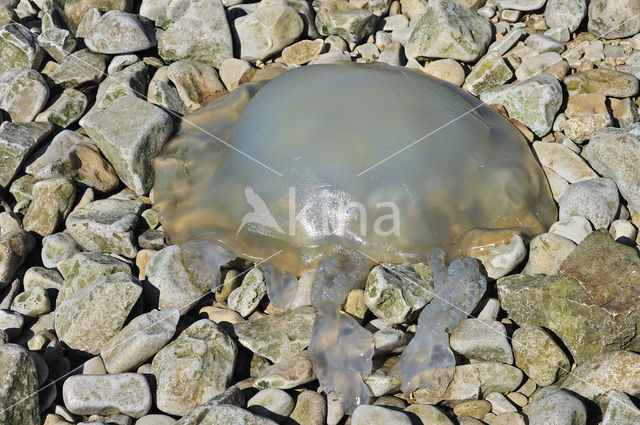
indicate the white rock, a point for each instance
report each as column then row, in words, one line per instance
column 552, row 406
column 546, row 252
column 575, row 228
column 595, row 199
column 623, row 231
column 378, row 415
column 563, row 161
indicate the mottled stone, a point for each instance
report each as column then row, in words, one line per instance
column 263, row 33
column 565, row 12
column 605, row 81
column 197, row 83
column 75, row 10
column 482, row 340
column 17, row 142
column 56, row 247
column 52, row 202
column 286, row 374
column 562, row 160
column 338, row 17
column 57, row 42
column 32, row 302
column 552, row 406
column 130, row 81
column 68, row 107
column 24, row 95
column 378, row 415
column 245, row 298
column 546, row 252
column 595, row 199
column 81, row 68
column 18, row 387
column 614, row 18
column 19, row 48
column 539, row 356
column 14, row 248
column 490, row 71
column 119, row 32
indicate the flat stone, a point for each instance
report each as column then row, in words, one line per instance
column 262, row 33
column 277, row 336
column 534, row 102
column 605, row 81
column 24, row 95
column 552, row 406
column 124, row 393
column 19, row 48
column 130, row 81
column 565, row 12
column 271, row 403
column 118, row 32
column 14, row 248
column 562, row 160
column 595, row 199
column 378, row 415
column 522, row 5
column 201, row 34
column 17, row 142
column 195, row 367
column 140, row 340
column 546, row 252
column 614, row 18
column 18, row 386
column 449, row 30
column 490, row 71
column 615, row 153
column 302, row 52
column 544, row 44
column 539, row 356
column 68, row 107
column 81, row 68
column 89, row 318
column 245, row 298
column 482, row 340
column 287, row 374
column 52, row 202
column 106, row 225
column 338, row 17
column 57, row 42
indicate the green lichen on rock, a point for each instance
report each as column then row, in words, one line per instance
column 338, row 17
column 52, row 202
column 18, row 387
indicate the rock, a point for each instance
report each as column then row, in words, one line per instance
column 262, row 33
column 595, row 199
column 235, row 72
column 25, row 94
column 231, row 397
column 544, row 44
column 166, row 96
column 565, row 12
column 52, row 202
column 247, row 296
column 393, row 54
column 67, row 109
column 89, row 318
column 482, row 340
column 447, row 70
column 17, row 142
column 40, row 276
column 18, row 386
column 614, row 18
column 140, row 340
column 278, row 336
column 549, row 62
column 546, row 252
column 32, row 302
column 490, row 71
column 57, row 42
column 287, row 374
column 623, row 232
column 338, row 17
column 75, row 10
column 552, row 406
column 14, row 248
column 580, row 129
column 560, row 33
column 473, row 408
column 91, row 16
column 120, row 62
column 232, row 415
column 11, row 323
column 605, row 81
column 429, row 414
column 81, row 68
column 131, row 81
column 124, row 393
column 613, row 153
column 592, row 304
column 56, row 247
column 575, row 228
column 197, row 83
column 378, row 415
column 522, row 5
column 195, row 367
column 308, row 14
column 118, row 32
column 311, row 409
column 201, row 34
column 302, row 52
column 395, row 293
column 538, row 355
column 271, row 403
column 449, row 30
column 504, row 44
column 132, row 147
column 155, row 420
column 22, row 189
column 106, row 225
column 620, row 410
column 18, row 48
column 533, row 102
column 562, row 160
column 472, row 380
column 502, row 257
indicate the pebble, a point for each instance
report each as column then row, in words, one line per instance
column 40, row 276
column 491, row 71
column 499, row 403
column 261, row 34
column 523, row 5
column 19, row 48
column 14, row 248
column 18, row 386
column 563, row 161
column 310, row 409
column 271, row 403
column 428, row 414
column 197, row 83
column 605, row 81
column 472, row 408
column 80, row 68
column 129, row 81
column 338, row 17
column 549, row 62
column 286, row 374
column 17, row 82
column 234, row 72
column 623, row 231
column 595, row 199
column 126, row 393
column 377, row 415
column 303, row 51
column 482, row 340
column 52, row 202
column 544, row 44
column 565, row 12
column 546, row 252
column 118, row 32
column 575, row 228
column 552, row 406
column 448, row 70
column 32, row 302
column 539, row 356
column 508, row 418
column 17, row 142
column 247, row 296
column 620, row 410
column 614, row 18
column 67, row 108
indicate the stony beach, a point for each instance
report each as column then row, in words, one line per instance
column 104, row 321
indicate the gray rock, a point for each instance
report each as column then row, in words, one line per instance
column 106, row 225
column 232, row 415
column 290, row 373
column 614, row 18
column 119, row 32
column 546, row 252
column 303, row 51
column 605, row 81
column 338, row 17
column 124, row 393
column 271, row 403
column 120, row 62
column 195, row 367
column 378, row 415
column 311, row 409
column 24, row 95
column 245, row 298
column 504, row 44
column 596, row 199
column 57, row 42
column 552, row 406
column 522, row 5
column 56, row 247
column 130, row 81
column 539, row 356
column 196, row 83
column 549, row 62
column 75, row 10
column 484, row 340
column 490, row 71
column 563, row 161
column 166, row 96
column 21, row 189
column 201, row 34
column 81, row 68
column 14, row 248
column 11, row 323
column 140, row 340
column 156, row 420
column 544, row 44
column 305, row 12
column 32, row 302
column 68, row 107
column 52, row 202
column 534, row 102
column 620, row 411
column 232, row 397
column 613, row 153
column 91, row 16
column 18, row 48
column 449, row 30
column 89, row 318
column 130, row 147
column 17, row 142
column 565, row 12
column 40, row 276
column 18, row 387
column 429, row 414
column 278, row 336
column 262, row 33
